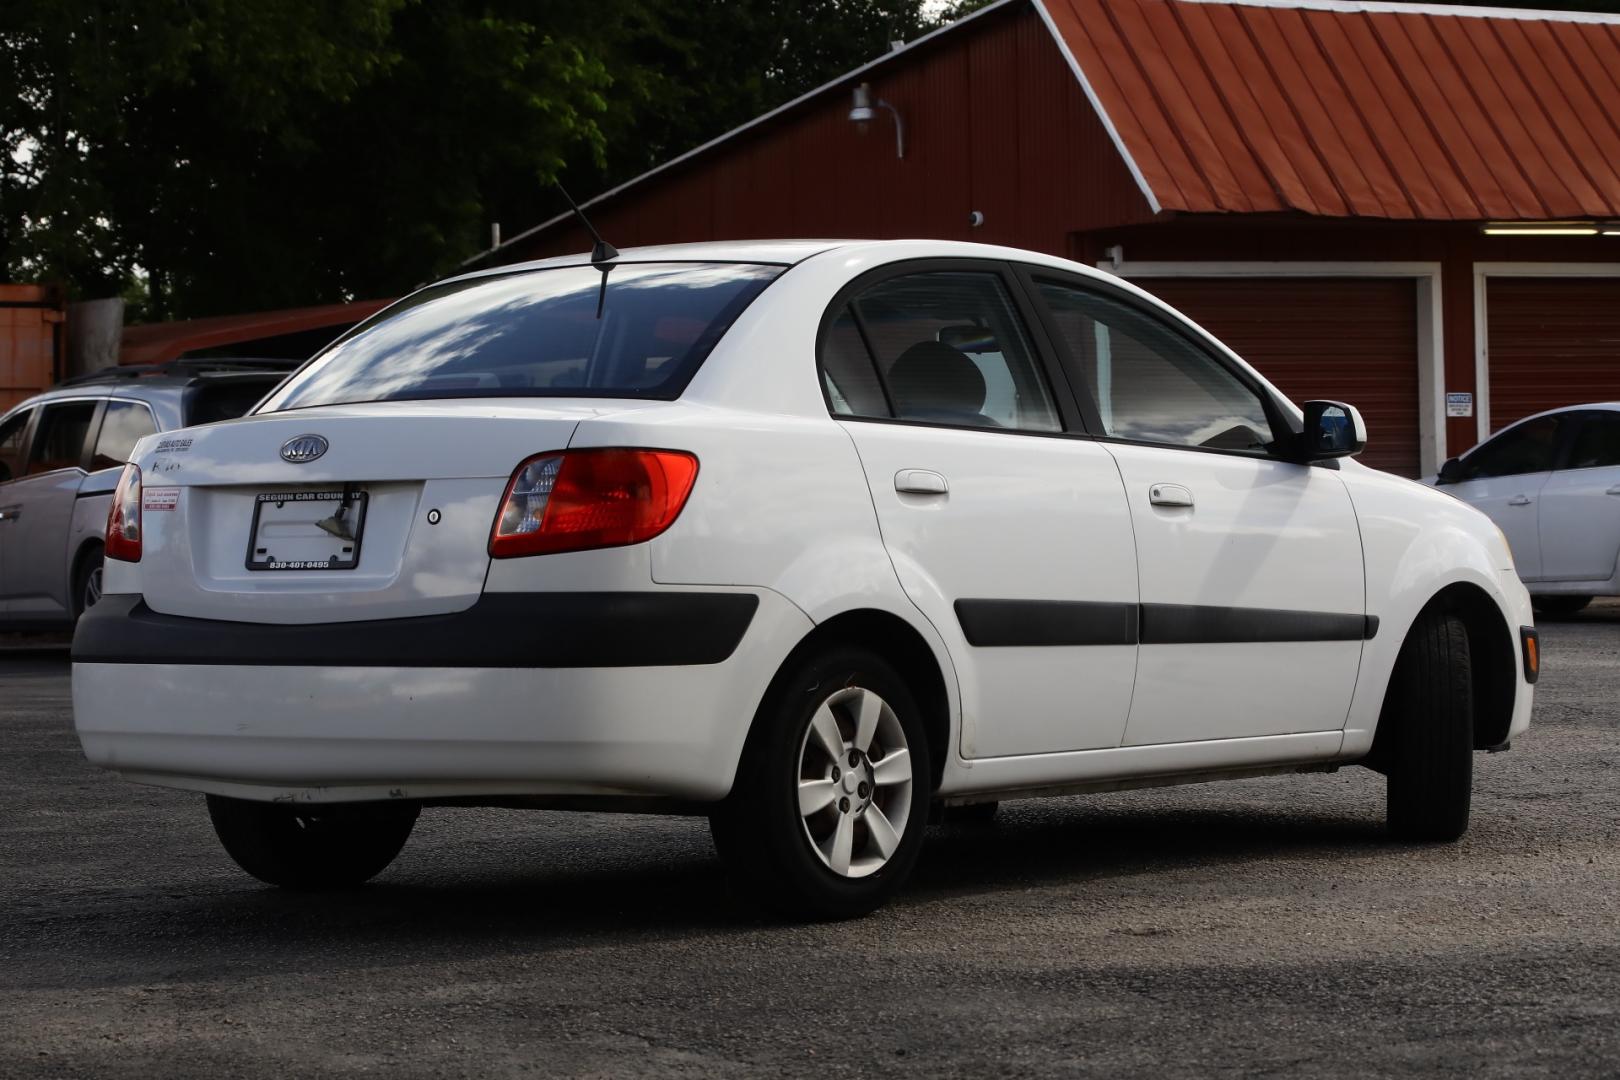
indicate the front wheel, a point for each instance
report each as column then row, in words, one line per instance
column 312, row 847
column 825, row 819
column 1431, row 710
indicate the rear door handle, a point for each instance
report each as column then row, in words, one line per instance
column 1169, row 495
column 1519, row 500
column 920, row 482
column 1613, row 491
column 10, row 513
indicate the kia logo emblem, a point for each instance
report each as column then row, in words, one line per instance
column 302, row 448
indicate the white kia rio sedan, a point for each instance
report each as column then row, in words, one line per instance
column 811, row 538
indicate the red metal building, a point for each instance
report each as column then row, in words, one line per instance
column 31, row 319
column 1413, row 208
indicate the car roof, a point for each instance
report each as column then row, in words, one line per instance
column 790, row 252
column 777, row 252
column 149, row 384
column 1591, row 406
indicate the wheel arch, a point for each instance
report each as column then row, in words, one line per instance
column 1492, row 649
column 902, row 645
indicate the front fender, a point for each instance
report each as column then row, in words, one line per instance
column 1416, row 543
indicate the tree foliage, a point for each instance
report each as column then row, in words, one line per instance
column 229, row 155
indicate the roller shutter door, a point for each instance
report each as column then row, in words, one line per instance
column 1344, row 339
column 1551, row 342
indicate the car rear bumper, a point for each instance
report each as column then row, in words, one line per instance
column 650, row 719
column 500, row 630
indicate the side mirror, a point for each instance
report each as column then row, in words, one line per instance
column 1451, row 472
column 1332, row 430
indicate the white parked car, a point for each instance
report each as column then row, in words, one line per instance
column 1551, row 482
column 811, row 538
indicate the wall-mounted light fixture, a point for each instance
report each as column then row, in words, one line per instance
column 865, row 108
column 1552, row 228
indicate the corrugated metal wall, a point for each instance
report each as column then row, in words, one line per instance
column 994, row 122
column 1339, row 339
column 1552, row 342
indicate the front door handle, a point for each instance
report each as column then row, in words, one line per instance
column 1169, row 495
column 10, row 513
column 920, row 482
column 1613, row 491
column 1519, row 500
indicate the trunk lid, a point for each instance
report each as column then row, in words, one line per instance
column 233, row 531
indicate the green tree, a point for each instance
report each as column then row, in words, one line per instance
column 206, row 156
column 249, row 154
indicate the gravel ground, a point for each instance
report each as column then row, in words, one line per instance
column 1262, row 926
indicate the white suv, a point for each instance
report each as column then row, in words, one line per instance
column 807, row 537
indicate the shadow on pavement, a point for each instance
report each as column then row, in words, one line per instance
column 516, row 907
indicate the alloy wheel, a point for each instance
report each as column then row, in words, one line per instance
column 854, row 782
column 92, row 589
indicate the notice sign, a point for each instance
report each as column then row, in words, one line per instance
column 1460, row 404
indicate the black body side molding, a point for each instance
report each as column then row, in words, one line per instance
column 1046, row 622
column 1004, row 623
column 500, row 630
column 1187, row 624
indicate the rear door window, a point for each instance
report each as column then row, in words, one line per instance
column 63, row 431
column 1597, row 444
column 123, row 425
column 938, row 347
column 537, row 333
column 12, row 445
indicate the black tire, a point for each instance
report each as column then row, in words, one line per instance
column 87, row 580
column 1560, row 607
column 1430, row 761
column 312, row 847
column 979, row 813
column 759, row 830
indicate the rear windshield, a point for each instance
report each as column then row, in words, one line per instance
column 536, row 334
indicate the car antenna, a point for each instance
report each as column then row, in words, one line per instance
column 602, row 254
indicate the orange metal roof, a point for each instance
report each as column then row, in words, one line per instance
column 1355, row 109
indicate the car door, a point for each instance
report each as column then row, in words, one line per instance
column 35, row 573
column 14, row 432
column 1008, row 532
column 1504, row 476
column 1252, row 589
column 1579, row 522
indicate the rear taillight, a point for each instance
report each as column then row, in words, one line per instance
column 124, row 519
column 573, row 500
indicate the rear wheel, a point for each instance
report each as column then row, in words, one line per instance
column 826, row 817
column 1560, row 606
column 1430, row 708
column 87, row 581
column 334, row 846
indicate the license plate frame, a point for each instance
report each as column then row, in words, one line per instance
column 347, row 556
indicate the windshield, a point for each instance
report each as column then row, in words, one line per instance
column 536, row 334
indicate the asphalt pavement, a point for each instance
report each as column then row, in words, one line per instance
column 1245, row 928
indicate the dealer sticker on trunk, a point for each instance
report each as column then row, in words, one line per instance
column 160, row 498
